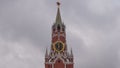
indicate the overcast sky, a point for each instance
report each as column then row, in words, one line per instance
column 93, row 32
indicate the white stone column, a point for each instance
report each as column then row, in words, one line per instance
column 52, row 65
column 65, row 65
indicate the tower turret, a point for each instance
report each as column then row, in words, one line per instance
column 71, row 53
column 46, row 54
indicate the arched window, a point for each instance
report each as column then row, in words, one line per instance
column 58, row 27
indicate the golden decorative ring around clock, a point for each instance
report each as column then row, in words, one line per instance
column 58, row 46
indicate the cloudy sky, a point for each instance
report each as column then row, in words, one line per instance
column 93, row 32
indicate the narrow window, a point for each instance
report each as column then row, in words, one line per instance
column 58, row 27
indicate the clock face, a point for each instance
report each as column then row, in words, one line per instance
column 58, row 46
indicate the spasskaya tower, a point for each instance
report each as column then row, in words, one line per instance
column 59, row 57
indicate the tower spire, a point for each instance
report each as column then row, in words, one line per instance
column 58, row 16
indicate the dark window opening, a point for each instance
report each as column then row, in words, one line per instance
column 63, row 29
column 58, row 27
column 53, row 29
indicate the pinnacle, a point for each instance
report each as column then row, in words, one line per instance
column 46, row 55
column 58, row 17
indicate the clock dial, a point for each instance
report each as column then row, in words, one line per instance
column 58, row 46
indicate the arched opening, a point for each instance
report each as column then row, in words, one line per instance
column 58, row 28
column 59, row 64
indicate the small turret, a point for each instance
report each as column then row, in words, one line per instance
column 71, row 55
column 46, row 54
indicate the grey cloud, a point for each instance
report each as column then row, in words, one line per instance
column 92, row 31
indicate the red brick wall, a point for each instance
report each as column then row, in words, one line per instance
column 59, row 64
column 69, row 66
column 48, row 65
